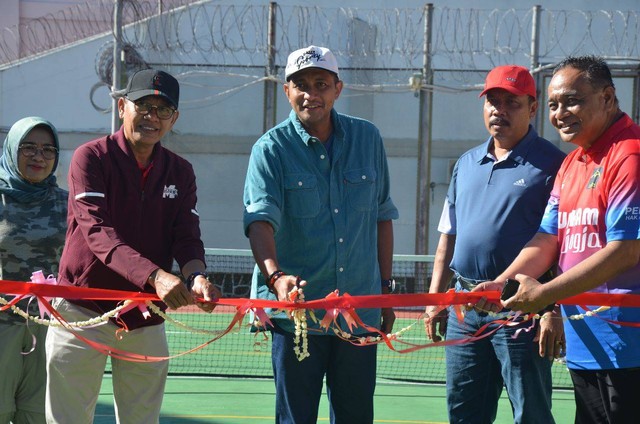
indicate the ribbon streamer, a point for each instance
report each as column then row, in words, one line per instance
column 334, row 304
column 337, row 302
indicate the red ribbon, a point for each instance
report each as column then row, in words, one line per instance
column 334, row 304
column 330, row 302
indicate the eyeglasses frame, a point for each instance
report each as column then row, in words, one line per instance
column 38, row 149
column 136, row 105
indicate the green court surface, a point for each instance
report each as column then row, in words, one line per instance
column 209, row 400
column 228, row 381
column 244, row 354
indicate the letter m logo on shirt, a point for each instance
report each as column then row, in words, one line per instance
column 170, row 191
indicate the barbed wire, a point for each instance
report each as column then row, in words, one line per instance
column 104, row 61
column 53, row 30
column 377, row 49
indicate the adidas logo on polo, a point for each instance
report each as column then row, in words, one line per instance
column 520, row 183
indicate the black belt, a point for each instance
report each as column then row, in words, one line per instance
column 466, row 283
column 470, row 284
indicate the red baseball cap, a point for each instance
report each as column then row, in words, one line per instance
column 515, row 79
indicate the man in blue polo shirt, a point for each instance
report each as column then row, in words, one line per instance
column 318, row 216
column 494, row 205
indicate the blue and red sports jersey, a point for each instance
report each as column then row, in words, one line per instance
column 596, row 197
column 596, row 200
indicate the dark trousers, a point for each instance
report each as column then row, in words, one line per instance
column 350, row 374
column 606, row 396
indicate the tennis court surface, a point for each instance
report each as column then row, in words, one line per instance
column 213, row 400
column 241, row 353
column 229, row 381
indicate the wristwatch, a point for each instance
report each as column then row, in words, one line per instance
column 192, row 277
column 389, row 284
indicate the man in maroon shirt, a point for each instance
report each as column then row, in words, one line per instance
column 132, row 212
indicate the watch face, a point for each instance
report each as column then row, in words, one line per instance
column 390, row 284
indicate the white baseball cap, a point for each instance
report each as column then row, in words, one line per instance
column 311, row 57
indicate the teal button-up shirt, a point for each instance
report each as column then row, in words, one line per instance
column 324, row 209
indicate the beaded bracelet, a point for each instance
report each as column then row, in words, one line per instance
column 271, row 280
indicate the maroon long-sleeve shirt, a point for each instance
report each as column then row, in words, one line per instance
column 119, row 229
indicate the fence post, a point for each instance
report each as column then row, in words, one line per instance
column 270, row 87
column 535, row 65
column 117, row 64
column 424, row 140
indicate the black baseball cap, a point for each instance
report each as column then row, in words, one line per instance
column 152, row 82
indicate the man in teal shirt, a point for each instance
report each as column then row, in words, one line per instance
column 318, row 216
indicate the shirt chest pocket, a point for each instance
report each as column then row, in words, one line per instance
column 360, row 185
column 301, row 197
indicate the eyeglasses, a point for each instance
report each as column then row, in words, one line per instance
column 29, row 150
column 163, row 112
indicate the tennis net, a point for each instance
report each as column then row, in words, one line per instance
column 242, row 353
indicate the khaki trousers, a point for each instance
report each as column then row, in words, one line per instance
column 75, row 371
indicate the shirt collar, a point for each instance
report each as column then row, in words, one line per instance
column 338, row 130
column 124, row 146
column 519, row 151
column 607, row 138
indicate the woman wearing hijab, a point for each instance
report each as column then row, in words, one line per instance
column 33, row 212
